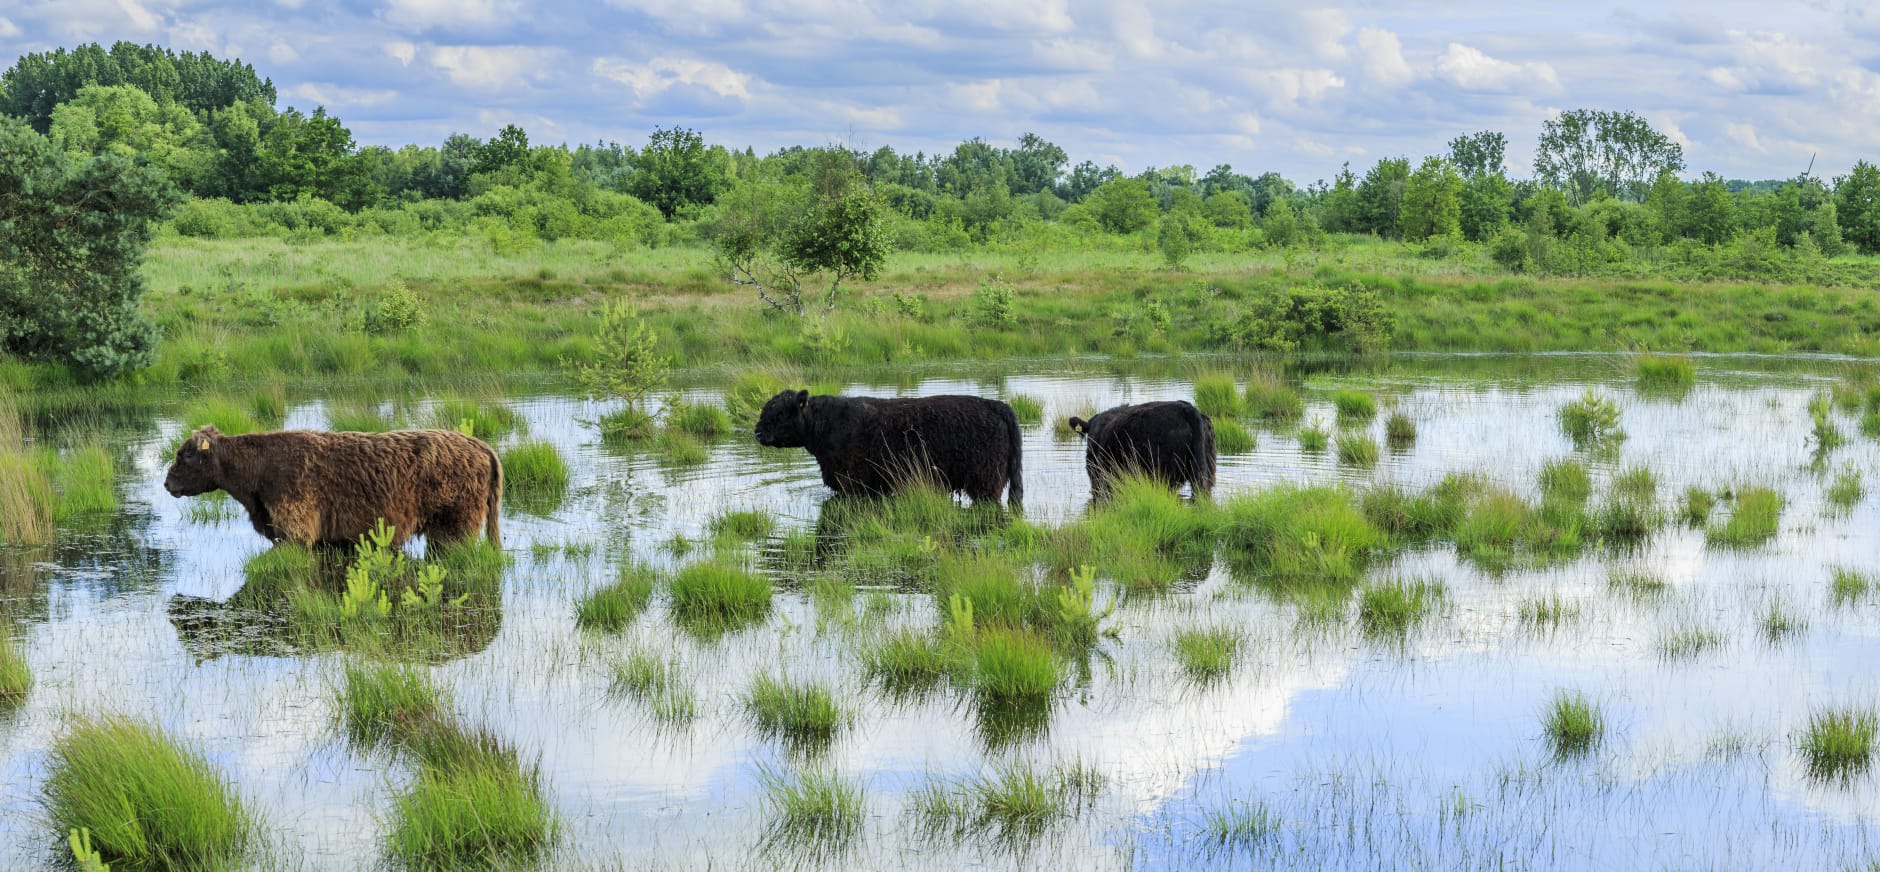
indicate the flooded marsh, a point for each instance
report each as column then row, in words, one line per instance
column 1549, row 612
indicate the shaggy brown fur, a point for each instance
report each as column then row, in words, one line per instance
column 320, row 488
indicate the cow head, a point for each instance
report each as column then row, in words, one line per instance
column 1080, row 426
column 198, row 465
column 784, row 422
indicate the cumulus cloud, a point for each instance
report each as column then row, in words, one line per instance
column 339, row 97
column 1471, row 69
column 448, row 14
column 492, row 67
column 8, row 29
column 1380, row 55
column 662, row 74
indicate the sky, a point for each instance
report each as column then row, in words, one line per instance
column 1750, row 89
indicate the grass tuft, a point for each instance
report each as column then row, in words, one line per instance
column 1030, row 410
column 1356, row 449
column 535, row 478
column 1392, row 608
column 1547, row 612
column 1313, row 438
column 1656, row 372
column 473, row 804
column 1753, row 520
column 714, row 597
column 748, row 525
column 486, row 421
column 812, row 808
column 1838, row 743
column 1695, row 507
column 703, row 420
column 1241, row 826
column 1565, row 479
column 1014, row 667
column 16, row 675
column 84, row 479
column 1846, row 491
column 1270, row 398
column 1688, row 640
column 1850, row 585
column 612, row 608
column 1231, row 437
column 1590, row 420
column 656, row 683
column 1400, row 431
column 1574, row 724
column 1216, row 395
column 804, row 714
column 1354, row 405
column 1208, row 654
column 387, row 702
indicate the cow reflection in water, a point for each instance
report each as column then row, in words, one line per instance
column 293, row 604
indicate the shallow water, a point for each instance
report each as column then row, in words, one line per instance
column 1421, row 752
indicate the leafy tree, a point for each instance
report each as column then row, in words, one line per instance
column 676, row 170
column 509, row 148
column 1669, row 201
column 1123, row 205
column 1857, row 206
column 1036, row 165
column 1228, row 209
column 1486, row 202
column 1587, row 152
column 1712, row 211
column 778, row 236
column 123, row 120
column 1340, row 205
column 1183, row 228
column 39, row 82
column 1479, row 154
column 309, row 156
column 1432, row 204
column 1268, row 189
column 1379, row 198
column 72, row 233
column 1085, row 179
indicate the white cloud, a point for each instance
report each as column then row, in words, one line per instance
column 703, row 17
column 1133, row 27
column 1380, row 55
column 982, row 96
column 1247, row 123
column 1324, row 30
column 340, row 96
column 1470, row 69
column 1048, row 16
column 1074, row 54
column 1744, row 135
column 405, row 52
column 8, row 29
column 492, row 67
column 1772, row 63
column 662, row 74
column 282, row 53
column 1286, row 88
column 427, row 14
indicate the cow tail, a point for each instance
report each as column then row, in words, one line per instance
column 1204, row 451
column 492, row 519
column 1014, row 462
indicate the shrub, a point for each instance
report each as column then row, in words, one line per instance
column 626, row 364
column 1312, row 318
column 397, row 310
column 1590, row 419
column 186, row 815
column 995, row 303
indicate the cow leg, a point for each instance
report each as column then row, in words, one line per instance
column 297, row 521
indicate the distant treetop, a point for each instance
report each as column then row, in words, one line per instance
column 39, row 82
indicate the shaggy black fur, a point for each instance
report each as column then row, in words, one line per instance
column 867, row 445
column 1170, row 441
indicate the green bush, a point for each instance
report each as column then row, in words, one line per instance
column 995, row 304
column 1312, row 318
column 397, row 310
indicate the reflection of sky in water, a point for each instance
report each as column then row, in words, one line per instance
column 1360, row 747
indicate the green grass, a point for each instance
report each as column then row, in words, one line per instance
column 228, row 416
column 1014, row 802
column 473, row 804
column 16, row 675
column 1778, row 623
column 656, row 683
column 535, row 478
column 804, row 714
column 1313, row 438
column 748, row 525
column 910, row 662
column 1636, row 583
column 612, row 608
column 679, row 447
column 1292, row 536
column 85, row 479
column 1354, row 405
column 1753, row 521
column 1590, row 420
column 1850, row 585
column 1546, row 612
column 1216, row 395
column 1207, row 654
column 1030, row 410
column 627, row 425
column 1838, row 743
column 148, row 802
column 1357, row 449
column 1392, row 608
column 704, row 420
column 1400, row 431
column 1846, row 491
column 1231, row 437
column 387, row 702
column 1014, row 667
column 356, row 418
column 812, row 807
column 713, row 597
column 1241, row 826
column 1573, row 724
column 1696, row 505
column 1688, row 640
column 27, row 500
column 748, row 393
column 1270, row 398
column 486, row 421
column 1637, row 483
column 1655, row 372
column 1565, row 479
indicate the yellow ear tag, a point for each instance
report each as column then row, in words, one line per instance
column 203, row 445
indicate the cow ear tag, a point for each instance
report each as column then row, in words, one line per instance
column 203, row 445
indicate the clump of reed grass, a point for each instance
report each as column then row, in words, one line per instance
column 1014, row 802
column 804, row 714
column 1847, row 490
column 1826, row 434
column 1547, row 612
column 16, row 675
column 656, row 683
column 612, row 608
column 1014, row 667
column 1590, row 420
column 748, row 525
column 716, row 597
column 1636, row 483
column 1292, row 535
column 85, row 481
column 1565, row 479
column 1574, row 724
column 1688, row 640
column 749, row 392
column 384, row 702
column 1030, row 410
column 1399, row 431
column 1850, row 585
column 1240, row 826
column 910, row 662
column 1392, row 608
column 1353, row 405
column 228, row 416
column 356, row 418
column 1838, row 743
column 1357, row 449
column 812, row 808
column 1231, row 437
column 146, row 801
column 1660, row 372
column 1637, row 583
column 486, row 421
column 704, row 420
column 1695, row 507
column 1754, row 516
column 1778, row 623
column 1216, row 395
column 680, row 448
column 27, row 500
column 535, row 477
column 473, row 804
column 1313, row 438
column 1207, row 654
column 1270, row 398
column 627, row 425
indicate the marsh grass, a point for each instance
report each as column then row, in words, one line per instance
column 27, row 500
column 1846, row 490
column 748, row 525
column 1392, row 608
column 1849, row 585
column 1231, row 437
column 1357, row 449
column 1636, row 483
column 1754, row 516
column 535, row 466
column 812, row 808
column 229, row 416
column 1778, row 623
column 1662, row 374
column 385, row 702
column 1207, row 654
column 1696, row 505
column 612, row 608
column 1399, row 431
column 1547, row 612
column 1590, row 420
column 488, row 421
column 1354, row 405
column 1565, row 479
column 680, row 448
column 909, row 662
column 627, row 426
column 1573, row 724
column 1014, row 667
column 1015, row 802
column 147, row 802
column 712, row 597
column 804, row 714
column 85, row 479
column 656, row 683
column 1637, row 583
column 1216, row 395
column 1313, row 438
column 16, row 675
column 748, row 393
column 474, row 803
column 1270, row 398
column 356, row 417
column 1838, row 743
column 1292, row 537
column 703, row 420
column 1240, row 826
column 1688, row 640
column 1030, row 410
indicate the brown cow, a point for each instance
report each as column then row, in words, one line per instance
column 320, row 488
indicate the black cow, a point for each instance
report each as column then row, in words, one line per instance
column 1170, row 441
column 867, row 445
